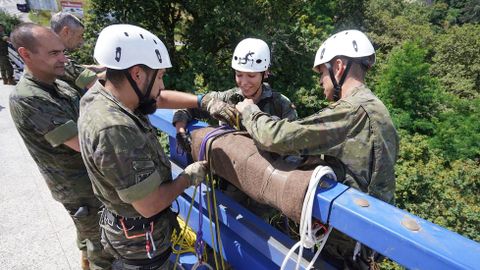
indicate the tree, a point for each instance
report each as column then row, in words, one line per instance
column 407, row 89
column 441, row 192
column 457, row 132
column 210, row 29
column 8, row 21
column 458, row 69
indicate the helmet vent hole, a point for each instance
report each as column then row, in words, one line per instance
column 346, row 33
column 322, row 53
column 155, row 41
column 125, row 33
column 159, row 56
column 141, row 36
column 258, row 61
column 235, row 57
column 355, row 46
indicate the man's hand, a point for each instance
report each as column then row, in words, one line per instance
column 241, row 105
column 196, row 172
column 222, row 111
column 96, row 68
column 184, row 141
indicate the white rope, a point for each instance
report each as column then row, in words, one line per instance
column 307, row 233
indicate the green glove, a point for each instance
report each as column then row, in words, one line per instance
column 196, row 172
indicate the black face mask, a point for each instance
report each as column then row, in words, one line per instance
column 147, row 106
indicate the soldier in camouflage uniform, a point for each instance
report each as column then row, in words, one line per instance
column 45, row 111
column 130, row 172
column 354, row 134
column 250, row 61
column 5, row 65
column 70, row 30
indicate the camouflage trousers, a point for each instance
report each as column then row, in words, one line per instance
column 88, row 231
column 128, row 242
column 6, row 68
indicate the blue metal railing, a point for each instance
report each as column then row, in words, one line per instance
column 250, row 243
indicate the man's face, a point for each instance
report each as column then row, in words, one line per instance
column 326, row 82
column 74, row 38
column 49, row 59
column 248, row 82
column 158, row 85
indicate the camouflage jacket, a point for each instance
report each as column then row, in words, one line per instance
column 45, row 116
column 121, row 152
column 270, row 102
column 355, row 136
column 77, row 76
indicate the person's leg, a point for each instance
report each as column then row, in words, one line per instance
column 9, row 72
column 3, row 70
column 86, row 221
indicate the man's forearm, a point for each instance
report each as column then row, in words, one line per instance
column 170, row 99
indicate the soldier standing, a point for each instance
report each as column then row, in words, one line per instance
column 130, row 172
column 250, row 62
column 70, row 30
column 45, row 111
column 5, row 65
column 354, row 134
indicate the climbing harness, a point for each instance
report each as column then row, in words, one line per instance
column 311, row 233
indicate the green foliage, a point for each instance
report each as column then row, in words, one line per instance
column 458, row 132
column 41, row 17
column 458, row 69
column 406, row 88
column 390, row 23
column 8, row 21
column 210, row 31
column 441, row 192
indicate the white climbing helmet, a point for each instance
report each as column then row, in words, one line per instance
column 349, row 43
column 251, row 55
column 121, row 46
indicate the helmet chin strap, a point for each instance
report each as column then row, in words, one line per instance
column 338, row 86
column 141, row 98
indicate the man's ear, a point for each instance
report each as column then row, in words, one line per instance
column 24, row 53
column 64, row 32
column 339, row 67
column 136, row 73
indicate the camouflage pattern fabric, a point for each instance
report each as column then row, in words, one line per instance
column 77, row 76
column 355, row 136
column 45, row 116
column 270, row 102
column 126, row 163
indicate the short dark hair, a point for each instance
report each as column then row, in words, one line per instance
column 62, row 19
column 116, row 76
column 22, row 36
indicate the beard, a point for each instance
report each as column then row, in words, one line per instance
column 148, row 106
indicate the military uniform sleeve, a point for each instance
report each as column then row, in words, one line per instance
column 321, row 133
column 44, row 119
column 78, row 75
column 188, row 114
column 288, row 109
column 120, row 156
